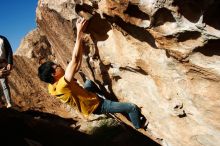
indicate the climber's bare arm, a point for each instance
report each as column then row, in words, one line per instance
column 76, row 59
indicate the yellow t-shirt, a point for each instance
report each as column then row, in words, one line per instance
column 73, row 94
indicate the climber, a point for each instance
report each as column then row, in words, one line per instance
column 64, row 86
column 6, row 63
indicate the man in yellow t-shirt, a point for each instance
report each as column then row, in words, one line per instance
column 64, row 86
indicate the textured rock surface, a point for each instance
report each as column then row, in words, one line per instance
column 36, row 46
column 162, row 55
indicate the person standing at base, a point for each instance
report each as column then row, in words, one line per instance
column 64, row 86
column 6, row 64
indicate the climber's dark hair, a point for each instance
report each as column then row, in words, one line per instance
column 45, row 72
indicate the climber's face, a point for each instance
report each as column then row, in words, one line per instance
column 58, row 72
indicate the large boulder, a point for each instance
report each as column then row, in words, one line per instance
column 161, row 55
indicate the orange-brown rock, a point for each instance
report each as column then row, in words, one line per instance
column 161, row 55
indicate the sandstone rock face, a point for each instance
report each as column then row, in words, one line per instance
column 36, row 46
column 162, row 55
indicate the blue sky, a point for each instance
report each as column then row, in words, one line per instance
column 17, row 18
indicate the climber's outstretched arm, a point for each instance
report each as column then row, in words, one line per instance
column 76, row 59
